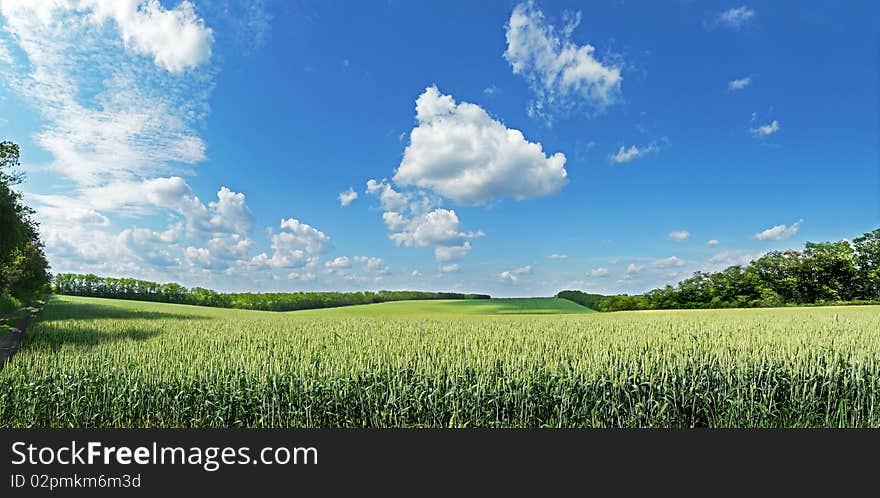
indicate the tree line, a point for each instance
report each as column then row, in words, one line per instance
column 24, row 270
column 820, row 273
column 73, row 284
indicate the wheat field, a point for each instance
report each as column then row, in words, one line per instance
column 103, row 363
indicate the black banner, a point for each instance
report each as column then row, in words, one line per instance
column 413, row 462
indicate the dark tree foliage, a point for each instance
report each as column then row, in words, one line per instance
column 821, row 273
column 24, row 271
column 142, row 290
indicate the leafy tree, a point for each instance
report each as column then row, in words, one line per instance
column 867, row 261
column 23, row 266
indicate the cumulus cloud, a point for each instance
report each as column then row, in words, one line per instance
column 347, row 197
column 679, row 236
column 562, row 74
column 766, row 130
column 558, row 256
column 439, row 227
column 176, row 39
column 413, row 221
column 739, row 84
column 229, row 213
column 461, row 153
column 598, row 272
column 390, row 199
column 296, row 245
column 625, row 155
column 305, row 236
column 340, row 263
column 512, row 276
column 736, row 17
column 713, row 243
column 779, row 232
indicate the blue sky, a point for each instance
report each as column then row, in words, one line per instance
column 514, row 148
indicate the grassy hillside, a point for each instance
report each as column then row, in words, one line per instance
column 89, row 362
column 512, row 306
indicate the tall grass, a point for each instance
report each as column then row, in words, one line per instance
column 98, row 363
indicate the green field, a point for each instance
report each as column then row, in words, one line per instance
column 90, row 362
column 511, row 306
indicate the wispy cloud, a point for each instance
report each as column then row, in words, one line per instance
column 736, row 17
column 562, row 74
column 739, row 84
column 625, row 155
column 766, row 130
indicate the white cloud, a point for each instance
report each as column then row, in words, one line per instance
column 679, row 236
column 5, row 55
column 728, row 258
column 415, row 273
column 373, row 264
column 228, row 214
column 304, row 236
column 294, row 248
column 107, row 116
column 452, row 253
column 713, row 243
column 766, row 130
column 739, row 84
column 736, row 17
column 301, row 276
column 624, row 155
column 390, row 199
column 439, row 227
column 562, row 75
column 413, row 221
column 671, row 261
column 512, row 276
column 779, row 232
column 340, row 263
column 490, row 91
column 68, row 211
column 450, row 268
column 558, row 256
column 598, row 272
column 634, row 268
column 176, row 39
column 346, row 198
column 461, row 153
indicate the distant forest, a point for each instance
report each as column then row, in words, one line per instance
column 821, row 273
column 141, row 290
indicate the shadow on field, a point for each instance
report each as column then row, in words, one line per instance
column 63, row 311
column 54, row 336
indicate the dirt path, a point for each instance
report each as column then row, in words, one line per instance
column 10, row 341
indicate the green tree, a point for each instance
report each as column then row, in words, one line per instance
column 23, row 266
